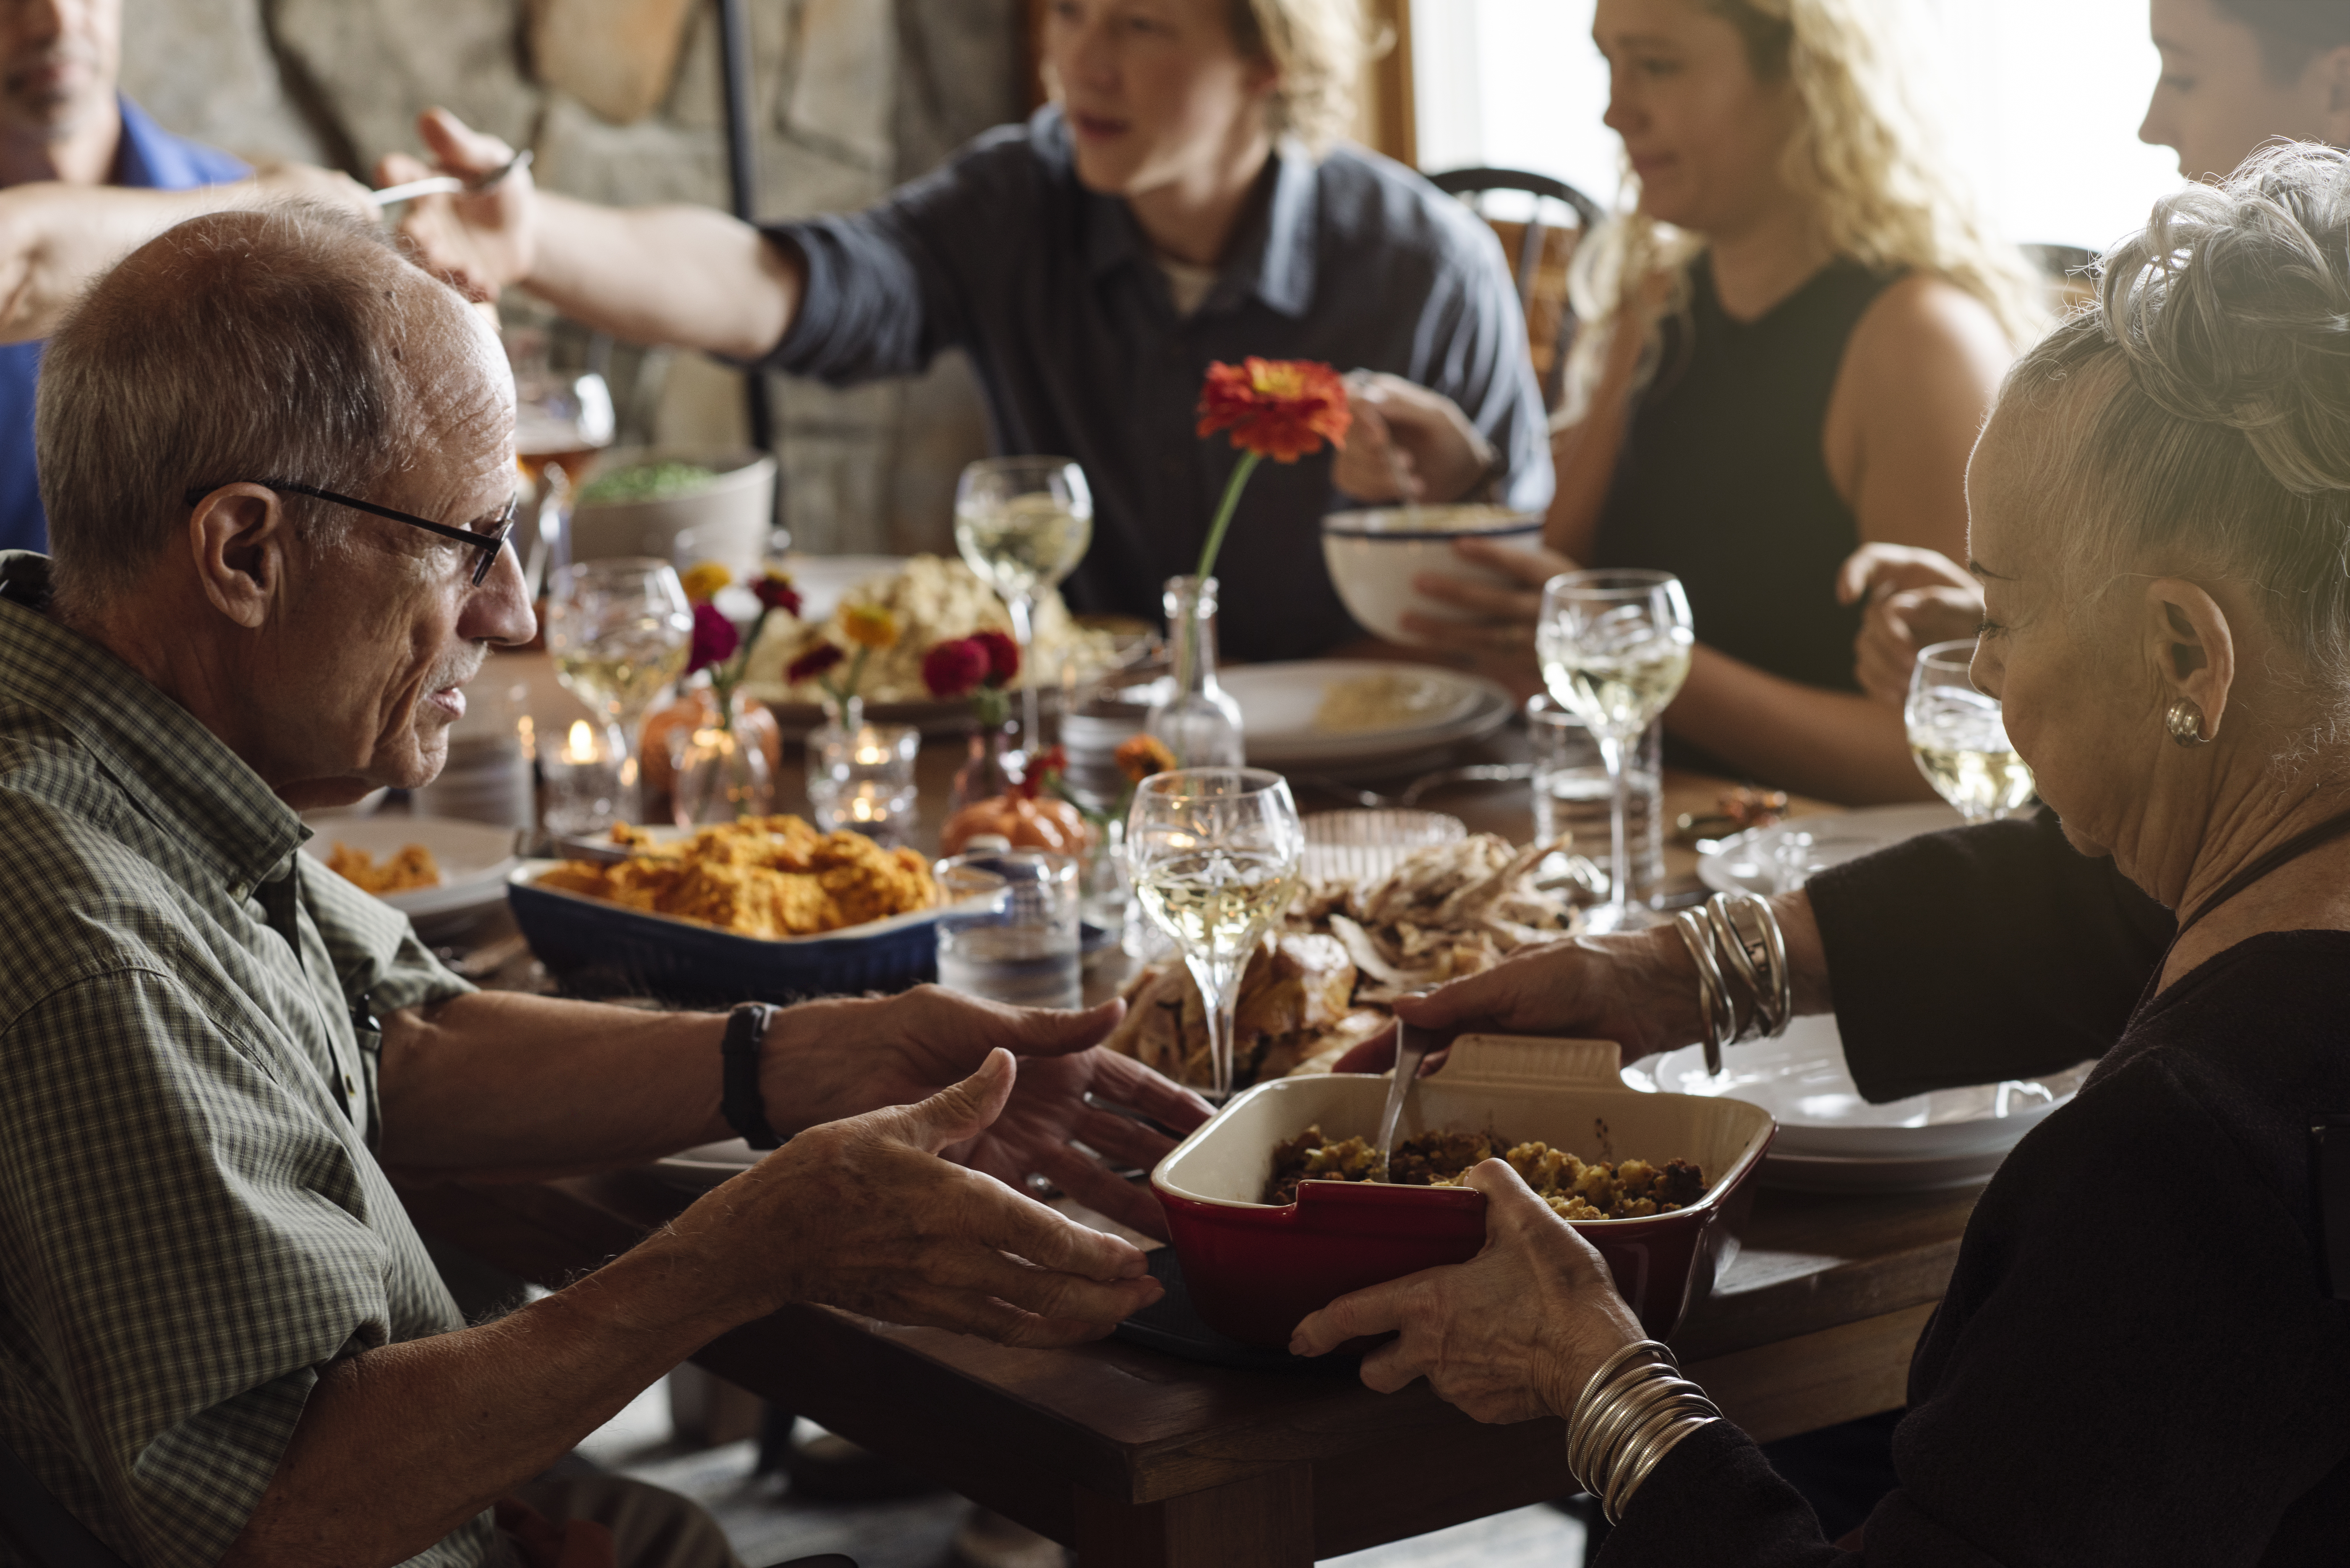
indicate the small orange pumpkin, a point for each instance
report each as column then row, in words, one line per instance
column 1050, row 824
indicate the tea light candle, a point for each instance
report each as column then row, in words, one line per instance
column 584, row 779
column 863, row 781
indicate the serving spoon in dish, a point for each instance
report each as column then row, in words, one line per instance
column 1413, row 1046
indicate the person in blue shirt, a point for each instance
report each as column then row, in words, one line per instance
column 85, row 175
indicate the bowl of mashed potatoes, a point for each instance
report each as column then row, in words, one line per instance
column 1374, row 555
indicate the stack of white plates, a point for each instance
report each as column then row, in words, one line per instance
column 1832, row 1140
column 1281, row 703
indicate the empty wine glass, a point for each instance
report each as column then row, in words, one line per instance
column 562, row 419
column 1022, row 523
column 618, row 630
column 1215, row 853
column 1958, row 738
column 1614, row 649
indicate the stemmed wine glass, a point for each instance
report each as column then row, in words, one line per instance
column 562, row 420
column 1614, row 649
column 1215, row 855
column 1023, row 524
column 1958, row 738
column 619, row 631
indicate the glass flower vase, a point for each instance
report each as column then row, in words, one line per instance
column 721, row 772
column 1197, row 718
column 985, row 774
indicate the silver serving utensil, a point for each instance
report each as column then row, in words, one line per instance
column 450, row 184
column 1411, row 1049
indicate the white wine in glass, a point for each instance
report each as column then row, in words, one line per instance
column 1959, row 739
column 618, row 632
column 1022, row 523
column 1614, row 649
column 1215, row 855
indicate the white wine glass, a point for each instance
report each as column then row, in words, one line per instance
column 1959, row 739
column 1215, row 855
column 1022, row 523
column 1614, row 649
column 618, row 630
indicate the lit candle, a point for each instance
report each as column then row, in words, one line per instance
column 579, row 745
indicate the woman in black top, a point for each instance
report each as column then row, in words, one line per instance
column 1797, row 366
column 2144, row 1353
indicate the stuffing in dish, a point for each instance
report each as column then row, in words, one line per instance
column 762, row 876
column 404, row 872
column 1627, row 1190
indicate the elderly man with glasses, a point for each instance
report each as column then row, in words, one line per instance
column 279, row 462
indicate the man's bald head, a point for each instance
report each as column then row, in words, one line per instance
column 282, row 343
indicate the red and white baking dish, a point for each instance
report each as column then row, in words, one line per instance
column 1254, row 1270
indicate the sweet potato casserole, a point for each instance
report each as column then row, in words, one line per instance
column 762, row 876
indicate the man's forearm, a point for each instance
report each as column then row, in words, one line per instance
column 55, row 238
column 398, row 1447
column 685, row 275
column 520, row 1086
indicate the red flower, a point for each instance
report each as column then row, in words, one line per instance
column 813, row 662
column 714, row 638
column 1280, row 409
column 776, row 592
column 1041, row 770
column 1003, row 655
column 954, row 668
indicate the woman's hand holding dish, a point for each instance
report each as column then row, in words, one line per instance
column 1510, row 1334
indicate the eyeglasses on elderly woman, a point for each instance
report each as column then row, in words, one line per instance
column 487, row 544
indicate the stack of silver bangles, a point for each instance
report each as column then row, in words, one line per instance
column 1632, row 1412
column 1738, row 935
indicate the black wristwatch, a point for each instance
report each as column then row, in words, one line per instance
column 740, row 1099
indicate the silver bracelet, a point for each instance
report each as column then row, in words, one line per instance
column 1713, row 1000
column 1633, row 1410
column 1759, row 960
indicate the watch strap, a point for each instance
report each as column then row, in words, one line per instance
column 741, row 1100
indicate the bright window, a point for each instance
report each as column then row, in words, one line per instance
column 2042, row 99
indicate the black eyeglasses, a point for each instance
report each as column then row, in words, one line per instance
column 489, row 544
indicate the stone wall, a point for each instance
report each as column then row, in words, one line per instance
column 853, row 96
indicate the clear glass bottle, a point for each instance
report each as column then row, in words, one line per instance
column 1197, row 718
column 986, row 771
column 722, row 773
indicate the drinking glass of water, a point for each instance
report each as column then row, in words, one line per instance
column 1009, row 930
column 1215, row 853
column 1958, row 739
column 1614, row 649
column 1572, row 791
column 619, row 631
column 1022, row 523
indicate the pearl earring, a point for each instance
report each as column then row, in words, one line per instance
column 2185, row 722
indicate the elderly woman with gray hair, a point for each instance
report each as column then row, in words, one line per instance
column 2143, row 1356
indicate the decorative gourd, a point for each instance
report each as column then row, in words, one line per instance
column 1050, row 824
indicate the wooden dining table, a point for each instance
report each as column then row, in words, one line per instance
column 1139, row 1458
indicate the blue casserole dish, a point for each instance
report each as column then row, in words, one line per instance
column 597, row 948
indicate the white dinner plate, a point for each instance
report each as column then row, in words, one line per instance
column 1802, row 1080
column 1742, row 862
column 475, row 857
column 1279, row 701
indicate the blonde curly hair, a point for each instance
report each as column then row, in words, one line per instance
column 1861, row 157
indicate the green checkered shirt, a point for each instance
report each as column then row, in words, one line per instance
column 192, row 1221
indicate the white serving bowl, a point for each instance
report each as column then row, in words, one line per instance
column 1373, row 556
column 730, row 520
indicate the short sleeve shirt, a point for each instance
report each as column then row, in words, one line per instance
column 192, row 1220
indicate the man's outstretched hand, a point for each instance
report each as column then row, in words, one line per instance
column 480, row 244
column 837, row 1058
column 862, row 1213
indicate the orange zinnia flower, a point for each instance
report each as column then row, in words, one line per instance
column 1139, row 757
column 1280, row 409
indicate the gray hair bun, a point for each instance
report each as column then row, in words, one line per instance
column 2233, row 307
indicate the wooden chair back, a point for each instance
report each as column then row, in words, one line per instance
column 1540, row 249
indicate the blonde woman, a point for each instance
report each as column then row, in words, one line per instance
column 1186, row 198
column 1792, row 338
